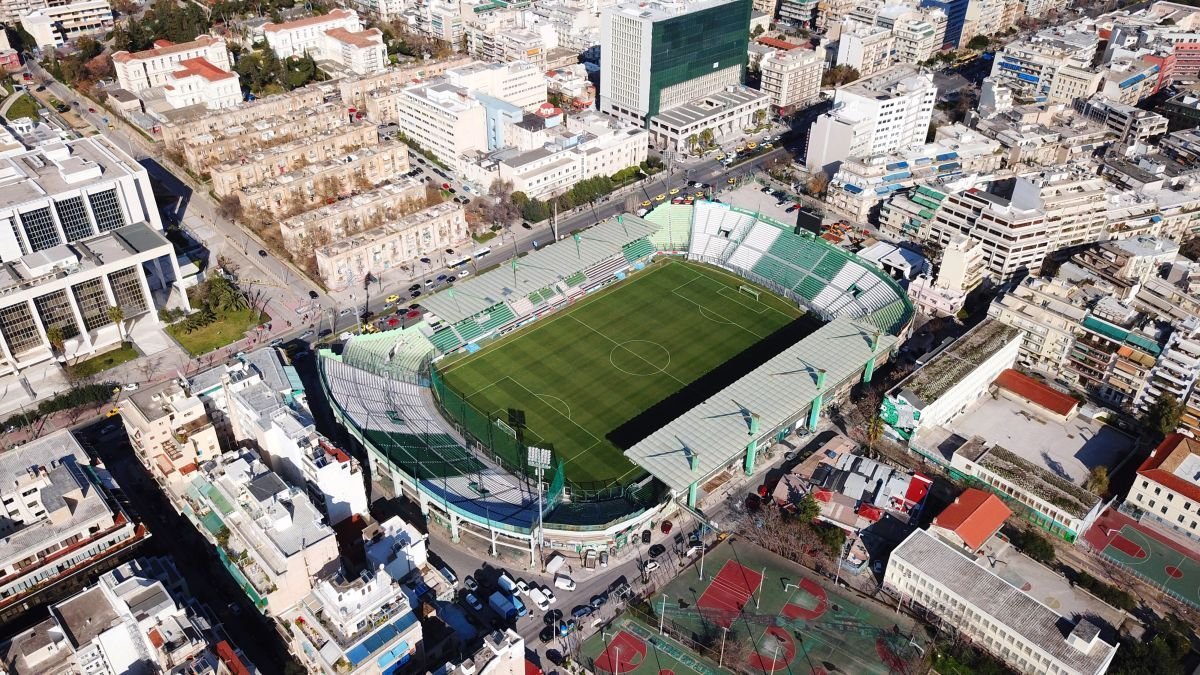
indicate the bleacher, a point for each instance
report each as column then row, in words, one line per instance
column 638, row 250
column 446, row 340
column 575, row 279
column 780, row 272
column 395, row 353
column 675, row 231
column 493, row 318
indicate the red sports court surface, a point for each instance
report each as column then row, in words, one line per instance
column 1155, row 557
column 729, row 591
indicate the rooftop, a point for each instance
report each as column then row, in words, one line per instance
column 1000, row 600
column 662, row 10
column 61, row 167
column 951, row 365
column 712, row 433
column 334, row 15
column 1175, row 464
column 974, row 516
column 166, row 48
column 201, row 67
column 1036, row 392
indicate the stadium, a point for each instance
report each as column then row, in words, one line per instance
column 652, row 358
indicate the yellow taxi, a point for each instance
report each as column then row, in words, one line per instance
column 393, row 298
column 699, row 195
column 731, row 180
column 113, row 413
column 720, row 155
column 646, row 203
column 752, row 145
column 673, row 191
column 768, row 146
column 741, row 148
column 659, row 198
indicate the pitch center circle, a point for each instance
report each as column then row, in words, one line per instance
column 640, row 358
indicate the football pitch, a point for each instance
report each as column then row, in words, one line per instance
column 571, row 378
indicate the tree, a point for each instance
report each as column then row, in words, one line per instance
column 230, row 208
column 874, row 430
column 1097, row 480
column 817, row 183
column 1163, row 415
column 978, row 43
column 707, row 137
column 117, row 315
column 807, row 509
column 1033, row 545
column 839, row 75
column 57, row 339
column 758, row 30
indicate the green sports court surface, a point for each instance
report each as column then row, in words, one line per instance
column 577, row 375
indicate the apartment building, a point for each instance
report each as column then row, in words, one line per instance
column 169, row 430
column 992, row 613
column 1053, row 65
column 1167, row 487
column 792, row 79
column 205, row 150
column 875, row 115
column 867, row 48
column 361, row 91
column 55, row 24
column 255, row 167
column 918, row 33
column 552, row 160
column 518, row 83
column 395, row 243
column 82, row 234
column 209, row 126
column 1173, row 293
column 356, row 625
column 138, row 616
column 269, row 536
column 1048, row 213
column 315, row 184
column 444, row 119
column 1125, row 264
column 660, row 56
column 257, row 401
column 958, row 156
column 61, row 517
column 959, row 272
column 1129, row 79
column 337, row 37
column 365, row 211
column 1175, row 374
column 1112, row 357
column 502, row 651
column 1048, row 311
column 572, row 86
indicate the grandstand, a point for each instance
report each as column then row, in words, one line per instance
column 822, row 277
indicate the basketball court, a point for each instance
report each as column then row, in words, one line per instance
column 1149, row 554
column 630, row 647
column 794, row 620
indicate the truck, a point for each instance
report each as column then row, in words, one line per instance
column 503, row 605
column 555, row 562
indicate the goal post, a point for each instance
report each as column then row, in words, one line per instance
column 752, row 292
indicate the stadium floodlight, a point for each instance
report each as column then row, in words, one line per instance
column 539, row 458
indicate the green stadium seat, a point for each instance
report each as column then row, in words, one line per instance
column 446, row 340
column 809, row 287
column 638, row 250
column 831, row 264
column 777, row 271
column 576, row 279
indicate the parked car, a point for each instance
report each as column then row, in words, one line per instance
column 448, row 574
column 581, row 611
column 598, row 600
column 538, row 599
column 548, row 593
column 564, row 582
column 649, row 566
column 313, row 294
column 645, row 536
column 473, row 602
column 546, row 634
column 656, row 550
column 306, row 335
column 470, row 583
column 523, row 586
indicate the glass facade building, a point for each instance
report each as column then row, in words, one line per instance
column 692, row 46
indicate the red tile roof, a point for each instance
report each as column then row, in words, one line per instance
column 308, row 21
column 974, row 516
column 777, row 44
column 1160, row 466
column 165, row 47
column 1036, row 392
column 156, row 638
column 200, row 66
column 364, row 38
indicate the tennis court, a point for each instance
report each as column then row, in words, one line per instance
column 787, row 618
column 1147, row 553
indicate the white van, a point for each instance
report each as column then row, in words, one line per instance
column 538, row 598
column 564, row 582
column 507, row 584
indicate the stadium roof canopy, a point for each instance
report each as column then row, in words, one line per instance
column 779, row 392
column 538, row 269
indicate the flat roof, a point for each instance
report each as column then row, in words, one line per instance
column 717, row 430
column 952, row 364
column 713, row 105
column 1036, row 623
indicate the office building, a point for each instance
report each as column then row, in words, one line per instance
column 867, row 48
column 337, row 37
column 956, row 16
column 992, row 613
column 792, row 78
column 54, row 25
column 875, row 115
column 657, row 56
column 82, row 234
column 61, row 517
column 444, row 119
column 518, row 83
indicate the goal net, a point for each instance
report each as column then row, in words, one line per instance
column 752, row 292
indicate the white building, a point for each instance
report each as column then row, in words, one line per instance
column 960, row 272
column 444, row 119
column 396, row 547
column 519, row 83
column 356, row 626
column 137, row 618
column 874, row 115
column 792, row 78
column 995, row 615
column 81, row 234
column 866, row 48
column 60, row 516
column 1167, row 487
column 337, row 37
column 57, row 24
column 258, row 402
column 155, row 67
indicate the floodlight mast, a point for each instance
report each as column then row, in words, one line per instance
column 539, row 459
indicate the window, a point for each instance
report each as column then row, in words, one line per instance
column 55, row 312
column 127, row 288
column 18, row 328
column 107, row 210
column 73, row 217
column 39, row 229
column 93, row 303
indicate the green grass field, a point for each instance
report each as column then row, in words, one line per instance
column 581, row 373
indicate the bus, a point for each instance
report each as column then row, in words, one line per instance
column 454, row 264
column 482, row 252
